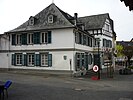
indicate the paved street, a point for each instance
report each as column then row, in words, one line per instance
column 33, row 87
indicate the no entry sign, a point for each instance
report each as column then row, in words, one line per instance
column 95, row 68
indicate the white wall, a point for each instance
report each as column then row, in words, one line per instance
column 61, row 39
column 4, row 60
column 4, row 42
column 58, row 62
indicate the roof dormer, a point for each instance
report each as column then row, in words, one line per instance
column 31, row 21
column 51, row 19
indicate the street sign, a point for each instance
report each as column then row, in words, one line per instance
column 95, row 68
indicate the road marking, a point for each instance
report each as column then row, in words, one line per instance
column 77, row 89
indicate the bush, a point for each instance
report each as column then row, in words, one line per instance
column 131, row 67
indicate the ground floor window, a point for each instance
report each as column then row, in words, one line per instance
column 32, row 59
column 83, row 60
column 18, row 59
column 44, row 59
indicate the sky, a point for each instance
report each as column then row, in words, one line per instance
column 15, row 12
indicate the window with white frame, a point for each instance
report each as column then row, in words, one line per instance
column 30, row 38
column 18, row 59
column 31, row 21
column 31, row 59
column 44, row 37
column 44, row 59
column 106, row 27
column 95, row 31
column 18, row 39
column 50, row 19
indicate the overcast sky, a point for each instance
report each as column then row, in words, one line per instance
column 15, row 12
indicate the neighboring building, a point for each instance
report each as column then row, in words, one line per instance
column 121, row 60
column 55, row 40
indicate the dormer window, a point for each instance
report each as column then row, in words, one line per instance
column 31, row 21
column 50, row 19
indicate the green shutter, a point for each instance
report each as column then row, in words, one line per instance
column 86, row 61
column 13, row 39
column 37, row 59
column 24, row 39
column 13, row 59
column 36, row 38
column 80, row 60
column 24, row 58
column 76, row 55
column 90, row 59
column 49, row 37
column 50, row 60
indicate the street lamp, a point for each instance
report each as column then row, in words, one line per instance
column 98, row 41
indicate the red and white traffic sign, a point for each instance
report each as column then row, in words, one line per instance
column 95, row 68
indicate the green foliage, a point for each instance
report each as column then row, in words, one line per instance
column 131, row 67
column 119, row 49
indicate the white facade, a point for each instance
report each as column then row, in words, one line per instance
column 54, row 40
column 62, row 47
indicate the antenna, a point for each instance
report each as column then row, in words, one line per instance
column 52, row 1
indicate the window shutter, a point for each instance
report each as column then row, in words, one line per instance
column 49, row 37
column 24, row 39
column 50, row 60
column 80, row 63
column 13, row 39
column 76, row 55
column 36, row 38
column 24, row 59
column 86, row 61
column 13, row 59
column 90, row 59
column 37, row 59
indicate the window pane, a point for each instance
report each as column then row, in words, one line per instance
column 44, row 59
column 31, row 59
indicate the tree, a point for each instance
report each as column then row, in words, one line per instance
column 119, row 49
column 128, row 52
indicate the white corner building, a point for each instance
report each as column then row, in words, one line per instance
column 54, row 40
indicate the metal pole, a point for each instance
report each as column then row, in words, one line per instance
column 99, row 60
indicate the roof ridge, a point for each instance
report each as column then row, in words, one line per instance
column 95, row 15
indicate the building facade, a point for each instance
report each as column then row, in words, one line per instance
column 55, row 40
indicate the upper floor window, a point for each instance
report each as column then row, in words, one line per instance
column 50, row 19
column 18, row 39
column 30, row 38
column 106, row 27
column 107, row 43
column 83, row 39
column 95, row 31
column 44, row 37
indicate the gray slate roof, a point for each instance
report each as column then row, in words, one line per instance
column 63, row 20
column 94, row 21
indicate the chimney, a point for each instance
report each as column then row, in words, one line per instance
column 75, row 18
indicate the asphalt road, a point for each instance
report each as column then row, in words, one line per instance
column 32, row 87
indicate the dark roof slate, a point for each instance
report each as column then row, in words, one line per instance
column 94, row 21
column 62, row 20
